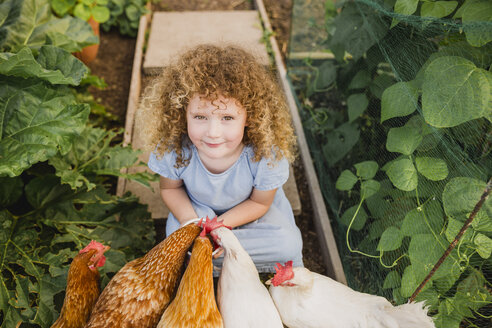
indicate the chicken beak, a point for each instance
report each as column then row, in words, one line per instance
column 268, row 282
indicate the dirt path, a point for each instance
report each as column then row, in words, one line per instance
column 114, row 64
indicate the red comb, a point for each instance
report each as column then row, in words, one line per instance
column 213, row 224
column 283, row 273
column 92, row 245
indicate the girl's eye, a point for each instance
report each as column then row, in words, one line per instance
column 228, row 118
column 199, row 117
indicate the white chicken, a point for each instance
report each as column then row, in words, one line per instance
column 306, row 299
column 244, row 302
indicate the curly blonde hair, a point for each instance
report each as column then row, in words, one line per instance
column 213, row 71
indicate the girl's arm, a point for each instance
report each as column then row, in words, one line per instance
column 251, row 209
column 176, row 199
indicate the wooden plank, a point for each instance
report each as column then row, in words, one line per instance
column 329, row 248
column 133, row 95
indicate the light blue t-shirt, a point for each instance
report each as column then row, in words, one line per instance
column 272, row 238
column 225, row 190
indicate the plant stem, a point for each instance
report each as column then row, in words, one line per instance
column 451, row 246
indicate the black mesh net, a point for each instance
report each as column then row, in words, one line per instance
column 396, row 102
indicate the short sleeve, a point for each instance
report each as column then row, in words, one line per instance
column 271, row 175
column 164, row 166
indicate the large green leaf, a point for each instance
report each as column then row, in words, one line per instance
column 36, row 121
column 406, row 139
column 438, row 9
column 358, row 221
column 424, row 252
column 454, row 91
column 390, row 239
column 425, row 219
column 357, row 104
column 31, row 23
column 346, row 180
column 477, row 22
column 358, row 28
column 434, row 169
column 91, row 155
column 53, row 65
column 403, row 174
column 461, row 195
column 406, row 7
column 340, row 141
column 400, row 99
column 367, row 169
column 369, row 188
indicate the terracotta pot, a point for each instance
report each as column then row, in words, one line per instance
column 89, row 53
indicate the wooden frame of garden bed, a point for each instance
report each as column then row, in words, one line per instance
column 321, row 220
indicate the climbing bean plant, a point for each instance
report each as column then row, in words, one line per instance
column 412, row 147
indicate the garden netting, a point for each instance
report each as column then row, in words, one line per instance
column 396, row 103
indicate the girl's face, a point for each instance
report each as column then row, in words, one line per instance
column 216, row 129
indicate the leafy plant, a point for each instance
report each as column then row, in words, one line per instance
column 56, row 169
column 418, row 89
column 125, row 14
column 83, row 9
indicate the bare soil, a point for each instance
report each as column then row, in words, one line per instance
column 114, row 64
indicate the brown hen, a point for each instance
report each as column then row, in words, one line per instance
column 82, row 286
column 140, row 292
column 194, row 304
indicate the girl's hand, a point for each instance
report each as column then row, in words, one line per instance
column 218, row 253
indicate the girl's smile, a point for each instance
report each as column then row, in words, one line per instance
column 216, row 129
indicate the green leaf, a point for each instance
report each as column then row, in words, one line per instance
column 359, row 220
column 82, row 11
column 61, row 7
column 100, row 14
column 425, row 219
column 10, row 191
column 53, row 64
column 367, row 169
column 404, row 140
column 482, row 222
column 454, row 227
column 424, row 252
column 346, row 180
column 484, row 245
column 390, row 239
column 398, row 100
column 31, row 22
column 132, row 12
column 381, row 83
column 93, row 154
column 340, row 141
column 361, row 80
column 356, row 104
column 38, row 121
column 477, row 34
column 357, row 28
column 410, row 280
column 434, row 169
column 369, row 188
column 406, row 7
column 454, row 91
column 392, row 280
column 461, row 195
column 403, row 175
column 438, row 9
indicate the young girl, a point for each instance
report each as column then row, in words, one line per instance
column 223, row 141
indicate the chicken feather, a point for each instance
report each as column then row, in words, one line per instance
column 140, row 292
column 243, row 300
column 306, row 299
column 194, row 304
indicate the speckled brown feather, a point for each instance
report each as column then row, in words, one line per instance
column 194, row 304
column 81, row 293
column 140, row 292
